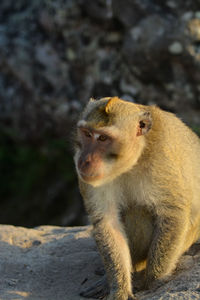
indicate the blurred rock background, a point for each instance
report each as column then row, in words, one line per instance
column 55, row 55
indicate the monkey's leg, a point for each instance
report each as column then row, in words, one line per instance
column 166, row 247
column 114, row 249
column 98, row 291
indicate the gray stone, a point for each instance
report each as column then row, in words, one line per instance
column 54, row 263
column 64, row 51
column 187, row 16
column 128, row 88
column 197, row 14
column 175, row 48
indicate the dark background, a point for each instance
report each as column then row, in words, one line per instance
column 54, row 56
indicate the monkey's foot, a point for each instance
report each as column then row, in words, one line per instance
column 156, row 283
column 98, row 291
column 124, row 297
column 100, row 271
column 132, row 298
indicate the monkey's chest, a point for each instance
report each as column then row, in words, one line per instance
column 138, row 220
column 139, row 225
column 139, row 191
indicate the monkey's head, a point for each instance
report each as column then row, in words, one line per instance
column 110, row 139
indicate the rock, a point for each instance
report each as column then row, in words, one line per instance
column 171, row 4
column 176, row 48
column 197, row 14
column 52, row 51
column 187, row 16
column 46, row 22
column 46, row 262
column 55, row 263
column 145, row 47
column 99, row 10
column 128, row 88
column 47, row 57
column 55, row 55
column 131, row 12
column 62, row 110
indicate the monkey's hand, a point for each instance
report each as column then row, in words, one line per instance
column 101, row 289
column 156, row 283
column 121, row 297
column 98, row 291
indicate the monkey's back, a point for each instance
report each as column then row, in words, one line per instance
column 182, row 146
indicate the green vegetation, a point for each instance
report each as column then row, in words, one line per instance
column 34, row 177
column 196, row 130
column 38, row 182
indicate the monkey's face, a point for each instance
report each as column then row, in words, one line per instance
column 94, row 150
column 109, row 140
column 102, row 155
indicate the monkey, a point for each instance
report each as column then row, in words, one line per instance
column 138, row 172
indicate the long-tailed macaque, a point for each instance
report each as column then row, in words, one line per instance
column 139, row 174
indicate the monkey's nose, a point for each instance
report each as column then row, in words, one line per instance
column 84, row 163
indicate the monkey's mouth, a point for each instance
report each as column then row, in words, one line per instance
column 90, row 176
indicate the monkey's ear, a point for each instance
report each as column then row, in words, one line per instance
column 110, row 104
column 92, row 99
column 145, row 123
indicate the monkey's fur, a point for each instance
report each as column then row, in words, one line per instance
column 145, row 204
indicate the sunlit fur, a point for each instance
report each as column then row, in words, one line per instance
column 146, row 210
column 127, row 145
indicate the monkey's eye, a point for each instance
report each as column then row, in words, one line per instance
column 102, row 138
column 87, row 133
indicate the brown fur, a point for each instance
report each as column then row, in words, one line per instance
column 146, row 208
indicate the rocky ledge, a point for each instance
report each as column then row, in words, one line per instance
column 54, row 263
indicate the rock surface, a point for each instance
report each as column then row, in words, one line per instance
column 54, row 263
column 55, row 55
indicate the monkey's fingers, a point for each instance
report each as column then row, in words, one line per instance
column 98, row 291
column 100, row 271
column 132, row 297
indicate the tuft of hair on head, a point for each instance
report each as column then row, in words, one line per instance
column 111, row 103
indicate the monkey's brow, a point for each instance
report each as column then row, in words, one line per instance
column 109, row 131
column 81, row 126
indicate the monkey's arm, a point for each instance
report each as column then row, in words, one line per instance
column 110, row 239
column 169, row 236
column 113, row 247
